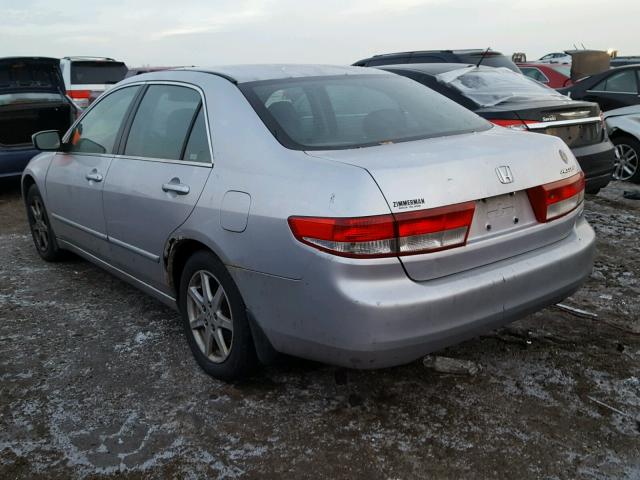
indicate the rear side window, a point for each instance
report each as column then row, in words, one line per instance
column 197, row 149
column 98, row 130
column 100, row 73
column 162, row 122
column 622, row 82
column 535, row 74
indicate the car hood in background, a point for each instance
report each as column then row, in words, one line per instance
column 30, row 74
column 631, row 110
column 588, row 62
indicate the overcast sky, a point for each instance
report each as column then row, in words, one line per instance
column 209, row 32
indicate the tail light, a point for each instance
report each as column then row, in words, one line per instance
column 80, row 97
column 389, row 235
column 513, row 124
column 553, row 200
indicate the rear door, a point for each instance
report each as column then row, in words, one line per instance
column 76, row 176
column 619, row 89
column 156, row 180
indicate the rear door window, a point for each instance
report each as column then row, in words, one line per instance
column 98, row 130
column 621, row 82
column 162, row 122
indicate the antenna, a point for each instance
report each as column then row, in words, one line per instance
column 484, row 54
column 583, row 47
column 575, row 47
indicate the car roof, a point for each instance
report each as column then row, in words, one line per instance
column 89, row 59
column 455, row 52
column 430, row 68
column 254, row 73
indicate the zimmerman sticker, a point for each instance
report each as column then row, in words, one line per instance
column 410, row 203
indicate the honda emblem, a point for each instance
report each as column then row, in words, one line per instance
column 504, row 174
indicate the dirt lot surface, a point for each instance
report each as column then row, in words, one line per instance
column 96, row 380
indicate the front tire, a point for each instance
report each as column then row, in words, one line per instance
column 215, row 319
column 628, row 164
column 41, row 231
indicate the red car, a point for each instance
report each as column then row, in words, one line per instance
column 552, row 75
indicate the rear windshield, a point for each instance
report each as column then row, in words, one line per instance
column 29, row 76
column 493, row 86
column 563, row 69
column 88, row 73
column 489, row 60
column 351, row 111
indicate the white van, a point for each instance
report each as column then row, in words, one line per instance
column 85, row 78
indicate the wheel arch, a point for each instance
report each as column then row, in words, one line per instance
column 177, row 251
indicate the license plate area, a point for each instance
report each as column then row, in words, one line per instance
column 501, row 214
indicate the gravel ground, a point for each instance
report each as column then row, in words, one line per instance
column 96, row 380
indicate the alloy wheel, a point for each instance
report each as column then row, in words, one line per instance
column 626, row 164
column 210, row 316
column 39, row 225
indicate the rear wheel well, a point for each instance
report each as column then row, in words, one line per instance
column 178, row 252
column 27, row 181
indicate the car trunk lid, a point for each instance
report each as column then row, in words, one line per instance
column 578, row 124
column 470, row 167
column 30, row 74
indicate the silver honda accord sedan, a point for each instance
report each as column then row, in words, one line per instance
column 339, row 214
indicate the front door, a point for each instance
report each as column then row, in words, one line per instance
column 153, row 186
column 76, row 176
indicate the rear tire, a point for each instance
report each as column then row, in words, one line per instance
column 214, row 319
column 43, row 237
column 628, row 166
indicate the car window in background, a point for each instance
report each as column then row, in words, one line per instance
column 162, row 122
column 97, row 73
column 562, row 69
column 534, row 73
column 97, row 131
column 622, row 82
column 492, row 86
column 355, row 111
column 197, row 149
column 386, row 61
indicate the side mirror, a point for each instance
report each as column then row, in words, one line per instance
column 47, row 140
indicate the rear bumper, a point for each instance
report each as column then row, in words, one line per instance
column 348, row 317
column 14, row 160
column 597, row 161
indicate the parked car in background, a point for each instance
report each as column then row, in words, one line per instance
column 512, row 100
column 624, row 61
column 489, row 58
column 86, row 78
column 351, row 216
column 140, row 70
column 551, row 75
column 611, row 89
column 555, row 57
column 32, row 98
column 623, row 125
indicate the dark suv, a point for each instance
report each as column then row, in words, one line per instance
column 491, row 58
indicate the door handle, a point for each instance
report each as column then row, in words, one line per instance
column 178, row 188
column 94, row 176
